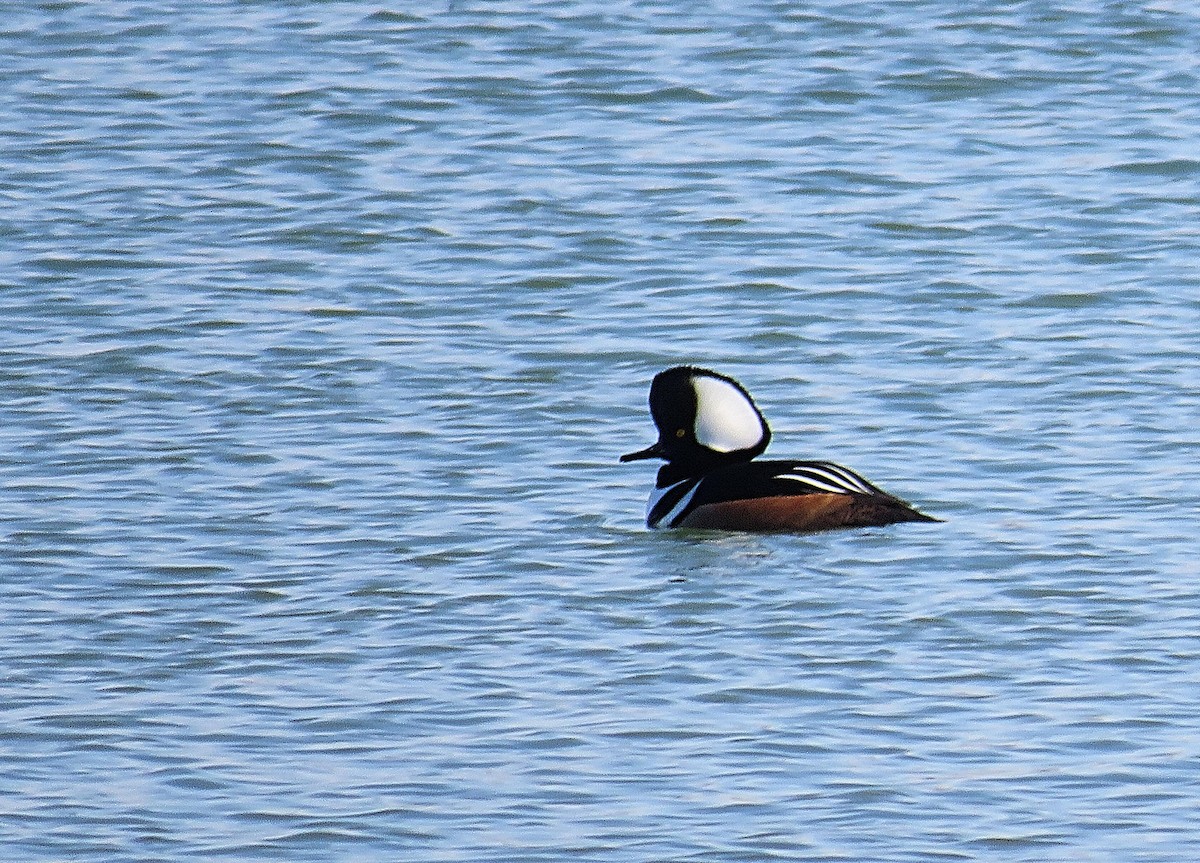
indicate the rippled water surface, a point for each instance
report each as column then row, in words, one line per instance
column 323, row 325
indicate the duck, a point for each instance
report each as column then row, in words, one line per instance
column 710, row 432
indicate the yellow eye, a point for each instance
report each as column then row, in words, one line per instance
column 680, row 432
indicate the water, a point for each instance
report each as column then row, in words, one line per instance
column 324, row 325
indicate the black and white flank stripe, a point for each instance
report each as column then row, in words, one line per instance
column 827, row 477
column 671, row 504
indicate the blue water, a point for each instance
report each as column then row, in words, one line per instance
column 323, row 325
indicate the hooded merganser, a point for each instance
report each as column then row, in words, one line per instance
column 709, row 432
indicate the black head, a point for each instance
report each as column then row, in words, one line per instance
column 704, row 420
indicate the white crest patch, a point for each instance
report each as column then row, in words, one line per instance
column 725, row 419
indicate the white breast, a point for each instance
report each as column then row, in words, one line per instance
column 677, row 510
